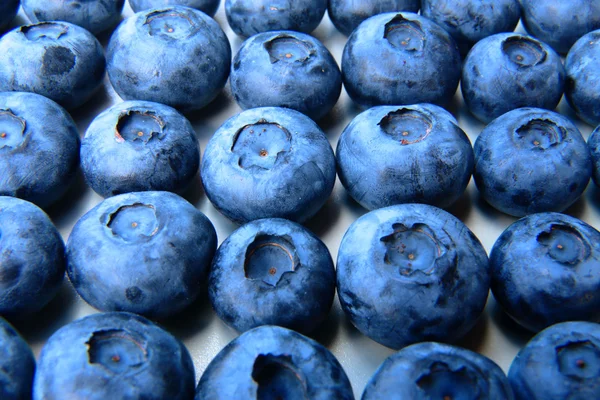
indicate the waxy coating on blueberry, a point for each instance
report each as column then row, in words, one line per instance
column 347, row 15
column 560, row 362
column 39, row 148
column 428, row 275
column 268, row 162
column 17, row 364
column 270, row 362
column 546, row 269
column 114, row 355
column 583, row 79
column 272, row 272
column 94, row 15
column 469, row 21
column 400, row 58
column 8, row 11
column 560, row 23
column 412, row 154
column 432, row 370
column 249, row 17
column 509, row 70
column 531, row 160
column 209, row 7
column 286, row 69
column 58, row 60
column 139, row 146
column 176, row 56
column 32, row 261
column 143, row 252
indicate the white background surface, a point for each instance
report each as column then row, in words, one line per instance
column 203, row 333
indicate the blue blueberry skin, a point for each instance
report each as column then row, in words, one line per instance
column 32, row 261
column 94, row 15
column 144, row 252
column 176, row 56
column 286, row 69
column 411, row 273
column 209, row 7
column 509, row 70
column 546, row 269
column 560, row 23
column 116, row 159
column 270, row 362
column 531, row 160
column 8, row 11
column 430, row 370
column 17, row 364
column 560, row 362
column 268, row 162
column 58, row 60
column 469, row 21
column 114, row 355
column 249, row 17
column 346, row 15
column 400, row 58
column 594, row 146
column 583, row 79
column 272, row 272
column 413, row 154
column 39, row 148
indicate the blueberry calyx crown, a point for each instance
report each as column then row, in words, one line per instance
column 44, row 30
column 406, row 125
column 288, row 49
column 523, row 52
column 277, row 377
column 440, row 381
column 405, row 34
column 117, row 350
column 565, row 244
column 579, row 360
column 139, row 127
column 170, row 24
column 134, row 223
column 539, row 134
column 269, row 257
column 261, row 144
column 12, row 129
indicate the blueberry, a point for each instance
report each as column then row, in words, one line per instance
column 209, row 7
column 268, row 163
column 39, row 148
column 8, row 11
column 546, row 269
column 137, row 146
column 94, row 15
column 400, row 58
column 177, row 56
column 560, row 23
column 531, row 160
column 411, row 273
column 594, row 146
column 32, row 262
column 438, row 371
column 509, row 70
column 560, row 362
column 272, row 272
column 413, row 154
column 249, row 17
column 143, row 252
column 113, row 356
column 286, row 69
column 583, row 79
column 346, row 15
column 270, row 362
column 469, row 21
column 17, row 364
column 58, row 60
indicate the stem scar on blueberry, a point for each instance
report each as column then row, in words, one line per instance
column 580, row 363
column 3, row 135
column 115, row 358
column 263, row 153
